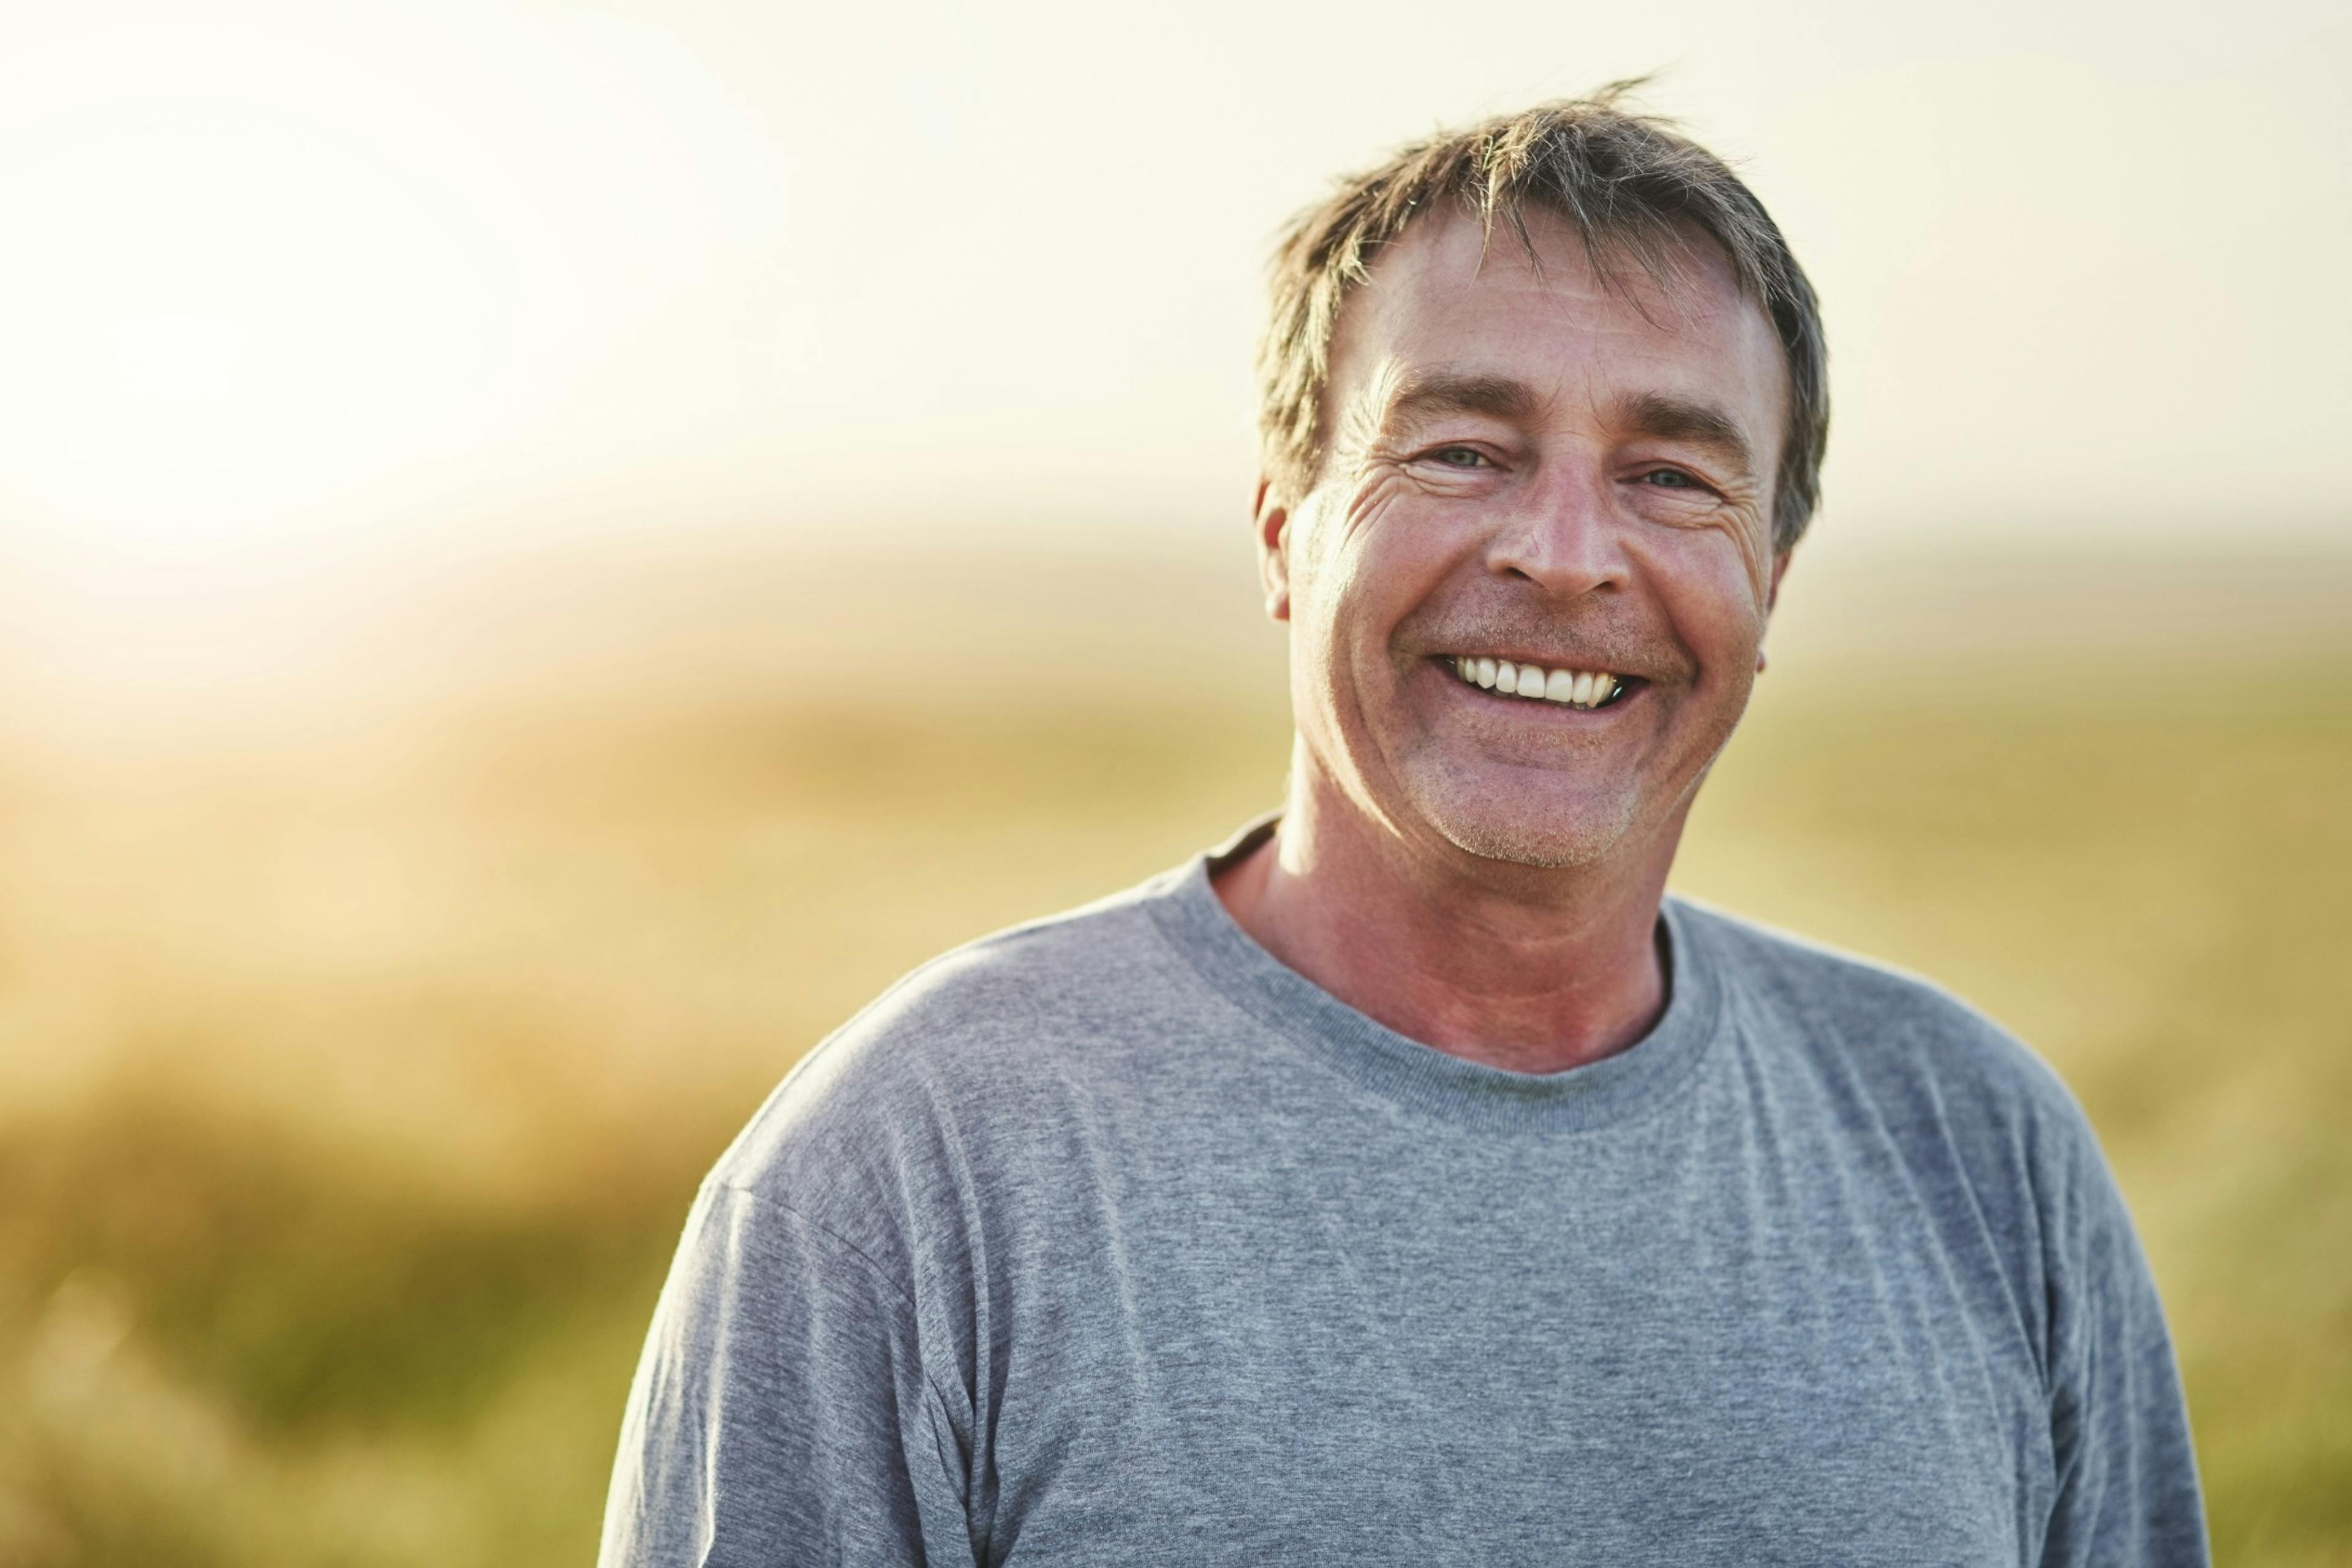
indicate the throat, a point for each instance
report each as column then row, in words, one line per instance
column 1529, row 990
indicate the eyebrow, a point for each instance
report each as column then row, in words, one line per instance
column 1499, row 395
column 1704, row 425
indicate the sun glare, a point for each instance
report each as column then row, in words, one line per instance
column 251, row 320
column 315, row 272
column 179, row 376
column 298, row 301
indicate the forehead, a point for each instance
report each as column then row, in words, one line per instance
column 1442, row 298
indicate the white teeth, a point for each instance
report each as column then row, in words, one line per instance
column 1575, row 688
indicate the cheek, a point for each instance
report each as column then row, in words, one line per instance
column 1734, row 531
column 1703, row 581
column 1366, row 564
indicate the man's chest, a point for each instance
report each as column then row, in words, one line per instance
column 1326, row 1369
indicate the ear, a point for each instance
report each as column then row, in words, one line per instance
column 1270, row 529
column 1771, row 598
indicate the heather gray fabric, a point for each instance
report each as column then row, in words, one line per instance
column 1110, row 1240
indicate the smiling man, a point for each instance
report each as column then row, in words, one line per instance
column 1411, row 1180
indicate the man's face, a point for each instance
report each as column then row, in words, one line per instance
column 1528, row 467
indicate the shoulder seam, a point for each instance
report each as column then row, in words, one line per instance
column 914, row 1311
column 761, row 1200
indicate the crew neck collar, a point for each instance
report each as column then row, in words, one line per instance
column 1421, row 1077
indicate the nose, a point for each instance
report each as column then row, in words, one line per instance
column 1564, row 537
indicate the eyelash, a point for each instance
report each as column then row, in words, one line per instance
column 1687, row 481
column 1438, row 454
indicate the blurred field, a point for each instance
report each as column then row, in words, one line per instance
column 358, row 1068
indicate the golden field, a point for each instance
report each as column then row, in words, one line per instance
column 359, row 1053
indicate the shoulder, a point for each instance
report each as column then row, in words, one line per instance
column 901, row 1098
column 1901, row 1058
column 1874, row 1018
column 1984, row 1127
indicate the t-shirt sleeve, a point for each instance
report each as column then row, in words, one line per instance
column 781, row 1414
column 2128, row 1491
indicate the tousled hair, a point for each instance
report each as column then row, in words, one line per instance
column 1629, row 184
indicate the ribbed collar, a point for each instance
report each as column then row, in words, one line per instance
column 1421, row 1077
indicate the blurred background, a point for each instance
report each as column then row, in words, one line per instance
column 548, row 551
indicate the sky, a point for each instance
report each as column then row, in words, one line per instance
column 293, row 284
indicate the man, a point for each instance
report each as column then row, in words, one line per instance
column 1410, row 1181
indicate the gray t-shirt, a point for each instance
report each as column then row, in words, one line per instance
column 1110, row 1239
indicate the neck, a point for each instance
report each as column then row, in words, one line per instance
column 1533, row 969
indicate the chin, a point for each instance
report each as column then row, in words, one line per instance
column 1550, row 836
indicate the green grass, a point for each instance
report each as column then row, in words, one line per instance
column 356, row 1105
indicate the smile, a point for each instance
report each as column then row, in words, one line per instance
column 1586, row 689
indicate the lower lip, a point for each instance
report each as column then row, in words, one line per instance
column 1534, row 706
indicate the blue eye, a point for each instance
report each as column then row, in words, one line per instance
column 1670, row 479
column 1459, row 457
